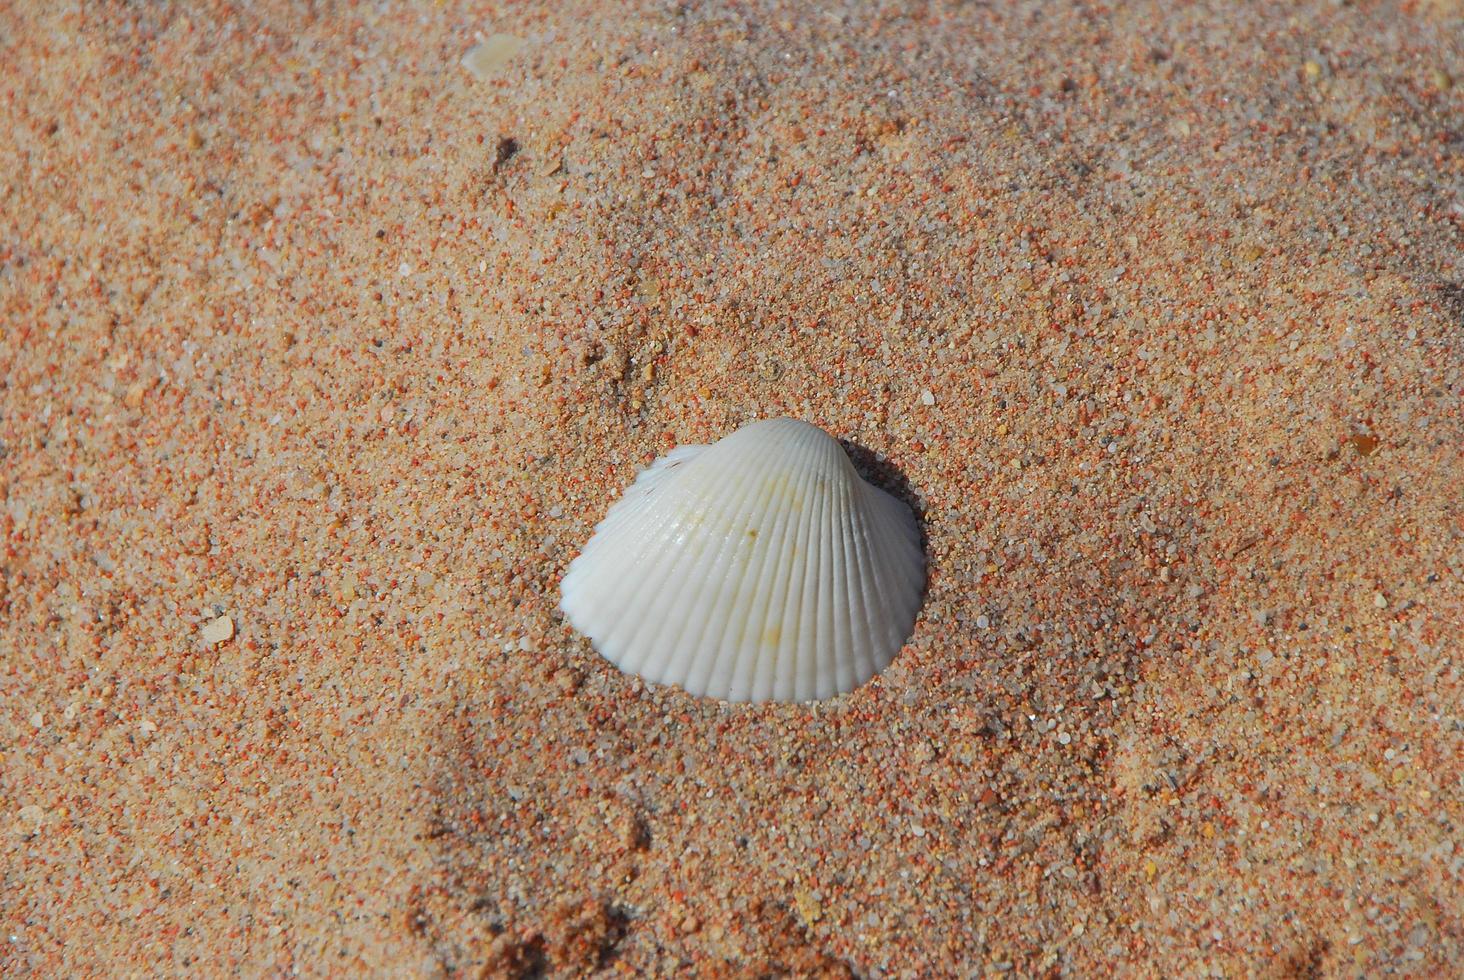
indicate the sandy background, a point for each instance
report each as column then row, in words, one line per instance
column 306, row 326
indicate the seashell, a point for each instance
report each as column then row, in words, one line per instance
column 759, row 568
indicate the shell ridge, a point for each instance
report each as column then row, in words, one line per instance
column 884, row 586
column 845, row 672
column 804, row 672
column 804, row 650
column 611, row 578
column 596, row 605
column 832, row 675
column 776, row 664
column 607, row 535
column 703, row 656
column 752, row 670
column 783, row 548
column 724, row 633
column 904, row 530
column 898, row 538
column 662, row 471
column 827, row 601
column 824, row 570
column 678, row 577
column 690, row 590
column 866, row 570
column 742, row 657
column 724, row 672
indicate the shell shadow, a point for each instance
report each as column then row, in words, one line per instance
column 883, row 473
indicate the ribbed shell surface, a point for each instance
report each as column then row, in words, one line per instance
column 760, row 568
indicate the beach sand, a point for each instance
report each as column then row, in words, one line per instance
column 323, row 353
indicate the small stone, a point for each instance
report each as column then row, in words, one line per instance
column 484, row 60
column 1312, row 69
column 630, row 832
column 135, row 393
column 28, row 820
column 1365, row 444
column 568, row 681
column 506, row 149
column 1380, row 600
column 218, row 630
column 809, row 908
column 927, row 398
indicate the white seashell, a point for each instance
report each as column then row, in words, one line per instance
column 762, row 567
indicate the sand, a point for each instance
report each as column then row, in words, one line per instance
column 323, row 352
